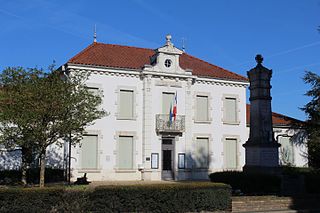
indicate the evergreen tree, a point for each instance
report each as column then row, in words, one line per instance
column 312, row 110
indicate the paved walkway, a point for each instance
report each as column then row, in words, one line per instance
column 114, row 183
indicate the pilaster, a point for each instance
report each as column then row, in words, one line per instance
column 188, row 123
column 147, row 125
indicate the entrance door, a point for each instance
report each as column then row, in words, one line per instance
column 167, row 159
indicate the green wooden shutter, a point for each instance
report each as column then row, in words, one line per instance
column 89, row 150
column 125, row 152
column 126, row 104
column 230, row 109
column 231, row 153
column 202, row 108
column 167, row 100
column 286, row 151
column 202, row 153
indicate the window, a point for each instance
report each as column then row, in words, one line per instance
column 202, row 108
column 167, row 102
column 125, row 152
column 286, row 151
column 230, row 110
column 167, row 63
column 89, row 152
column 181, row 161
column 230, row 152
column 94, row 90
column 202, row 153
column 126, row 104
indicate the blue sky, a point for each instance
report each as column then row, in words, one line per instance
column 227, row 33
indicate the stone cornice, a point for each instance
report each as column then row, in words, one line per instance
column 138, row 73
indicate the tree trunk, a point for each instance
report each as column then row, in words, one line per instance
column 42, row 167
column 24, row 166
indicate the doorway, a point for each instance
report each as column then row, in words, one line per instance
column 167, row 159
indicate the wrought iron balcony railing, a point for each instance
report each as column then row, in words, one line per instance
column 163, row 123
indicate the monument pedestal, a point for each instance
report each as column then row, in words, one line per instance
column 262, row 158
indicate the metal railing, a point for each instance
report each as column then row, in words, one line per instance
column 163, row 123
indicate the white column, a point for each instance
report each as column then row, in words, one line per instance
column 147, row 125
column 188, row 124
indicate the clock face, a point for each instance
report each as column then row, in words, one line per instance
column 167, row 63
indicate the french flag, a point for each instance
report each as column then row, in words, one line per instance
column 174, row 111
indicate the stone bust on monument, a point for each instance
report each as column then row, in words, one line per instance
column 262, row 154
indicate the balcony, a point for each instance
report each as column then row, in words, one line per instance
column 163, row 124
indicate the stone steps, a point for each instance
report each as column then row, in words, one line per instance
column 276, row 204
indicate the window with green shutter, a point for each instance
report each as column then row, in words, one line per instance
column 230, row 151
column 89, row 152
column 202, row 108
column 230, row 110
column 202, row 153
column 126, row 104
column 125, row 152
column 286, row 151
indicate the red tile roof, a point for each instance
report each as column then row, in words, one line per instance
column 118, row 56
column 277, row 119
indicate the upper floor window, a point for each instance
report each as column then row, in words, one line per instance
column 126, row 108
column 202, row 108
column 230, row 115
column 167, row 102
column 93, row 90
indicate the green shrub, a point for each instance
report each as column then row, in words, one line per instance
column 249, row 183
column 312, row 182
column 179, row 197
column 311, row 177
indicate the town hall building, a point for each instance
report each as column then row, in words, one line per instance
column 171, row 116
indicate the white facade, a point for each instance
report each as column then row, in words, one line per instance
column 136, row 140
column 205, row 142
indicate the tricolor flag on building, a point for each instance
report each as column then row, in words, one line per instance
column 170, row 114
column 174, row 111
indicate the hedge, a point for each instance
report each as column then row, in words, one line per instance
column 178, row 197
column 13, row 177
column 311, row 177
column 248, row 183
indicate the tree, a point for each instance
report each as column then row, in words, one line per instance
column 312, row 109
column 41, row 108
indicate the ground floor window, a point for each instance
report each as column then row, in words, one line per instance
column 89, row 152
column 286, row 151
column 125, row 152
column 202, row 153
column 230, row 152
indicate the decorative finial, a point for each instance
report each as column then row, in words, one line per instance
column 259, row 58
column 168, row 38
column 183, row 45
column 95, row 34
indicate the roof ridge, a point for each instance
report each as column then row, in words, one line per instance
column 215, row 65
column 284, row 116
column 127, row 46
column 276, row 114
column 99, row 43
